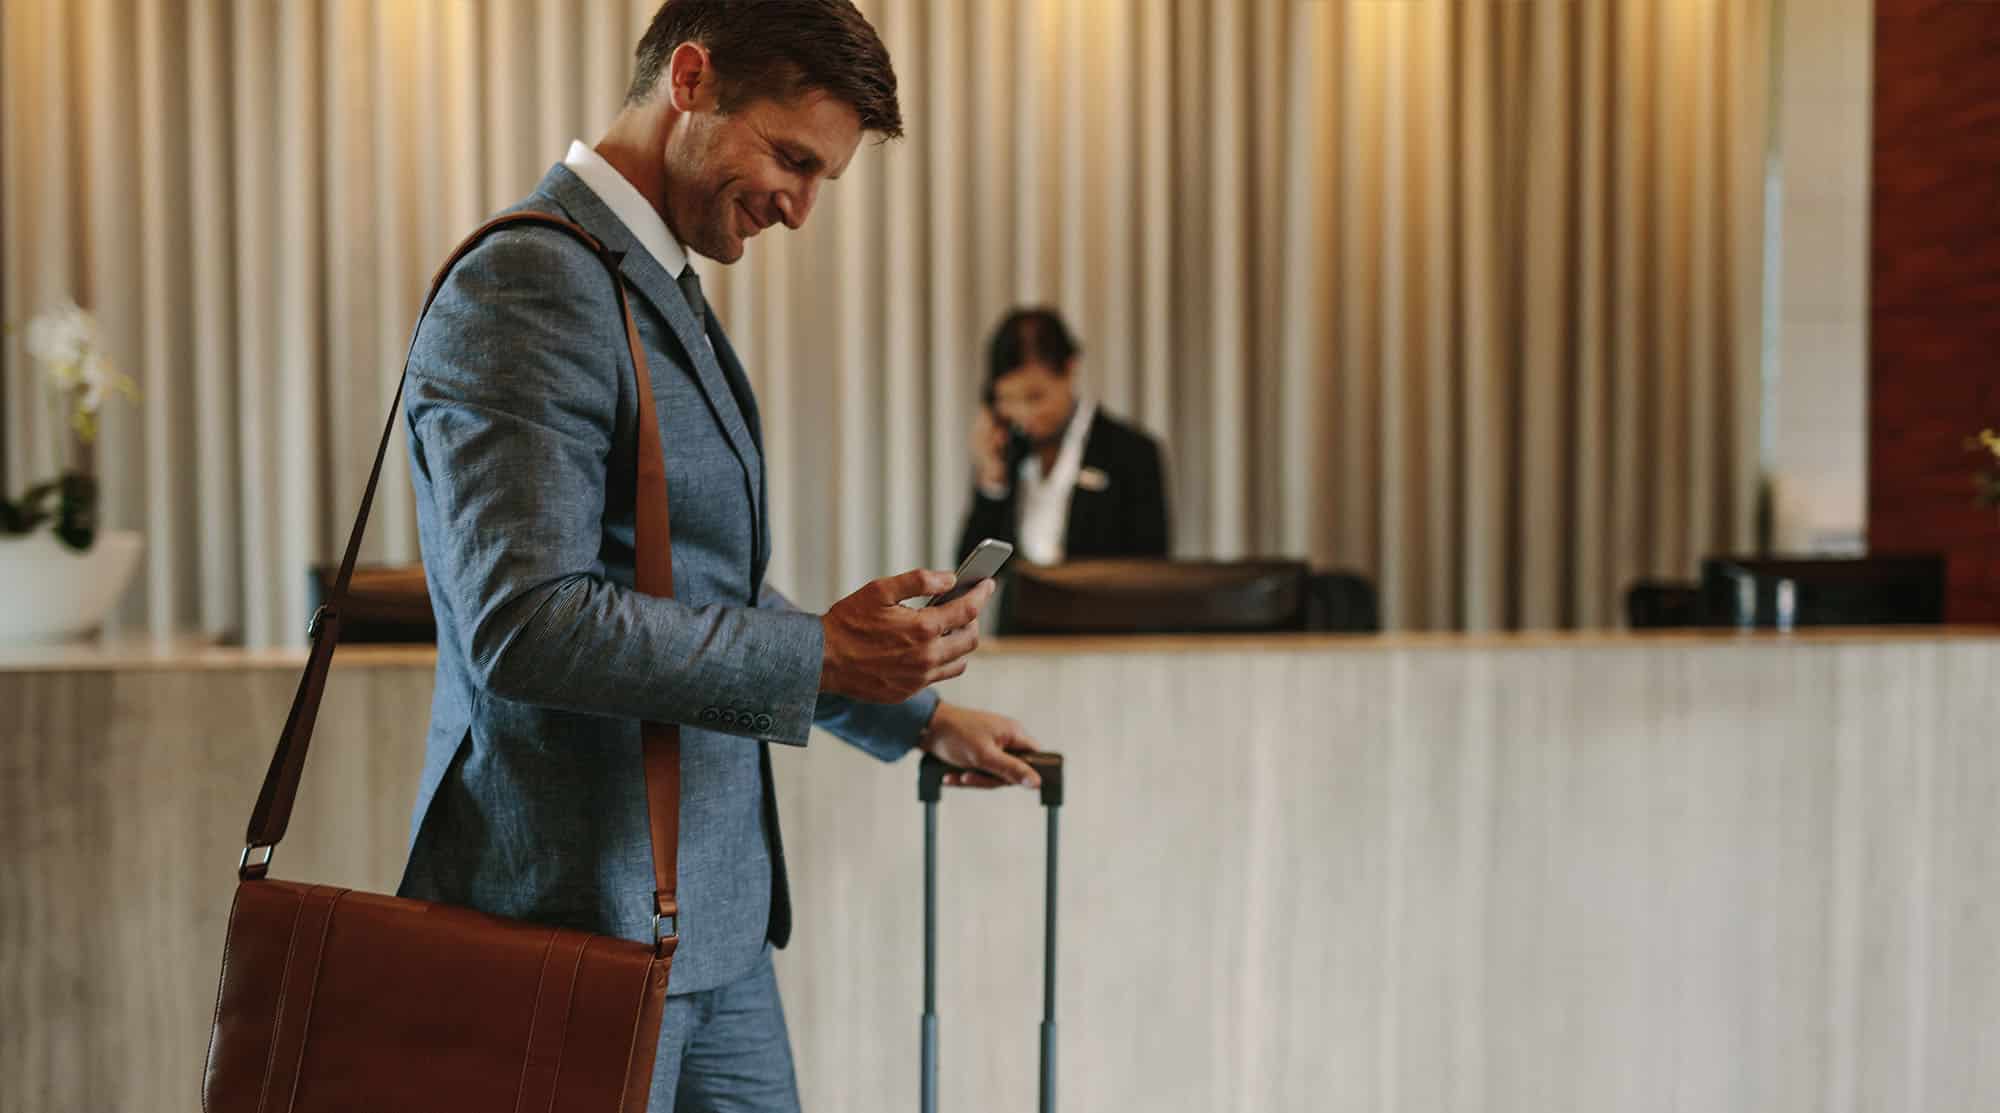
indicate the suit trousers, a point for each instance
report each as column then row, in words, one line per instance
column 726, row 1050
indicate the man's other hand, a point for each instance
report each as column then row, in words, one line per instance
column 882, row 652
column 982, row 743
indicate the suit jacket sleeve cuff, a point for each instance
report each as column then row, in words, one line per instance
column 793, row 664
column 884, row 731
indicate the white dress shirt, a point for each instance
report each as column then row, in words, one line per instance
column 628, row 205
column 632, row 210
column 1043, row 504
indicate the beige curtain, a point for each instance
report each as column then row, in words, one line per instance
column 1460, row 295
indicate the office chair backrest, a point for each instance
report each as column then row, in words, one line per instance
column 1343, row 602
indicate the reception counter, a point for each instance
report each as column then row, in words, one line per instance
column 1509, row 874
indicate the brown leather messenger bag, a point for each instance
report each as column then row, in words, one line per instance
column 335, row 1000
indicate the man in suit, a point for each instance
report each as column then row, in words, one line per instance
column 522, row 415
column 1052, row 472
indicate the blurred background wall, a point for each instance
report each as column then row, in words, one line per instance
column 1470, row 298
column 1816, row 440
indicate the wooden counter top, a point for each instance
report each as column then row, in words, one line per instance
column 139, row 654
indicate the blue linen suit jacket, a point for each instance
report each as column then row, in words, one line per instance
column 522, row 417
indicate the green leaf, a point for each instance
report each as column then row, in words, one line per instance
column 74, row 513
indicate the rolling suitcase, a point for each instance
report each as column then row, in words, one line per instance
column 930, row 786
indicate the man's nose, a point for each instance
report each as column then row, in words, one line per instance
column 794, row 208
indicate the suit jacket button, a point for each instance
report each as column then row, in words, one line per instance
column 728, row 717
column 710, row 714
column 764, row 722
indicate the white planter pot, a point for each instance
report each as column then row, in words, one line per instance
column 49, row 592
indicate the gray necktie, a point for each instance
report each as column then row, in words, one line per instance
column 690, row 284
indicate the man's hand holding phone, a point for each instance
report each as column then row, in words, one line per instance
column 881, row 651
column 901, row 634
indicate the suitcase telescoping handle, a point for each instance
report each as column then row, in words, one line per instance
column 930, row 787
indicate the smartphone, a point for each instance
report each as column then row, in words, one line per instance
column 1018, row 448
column 983, row 563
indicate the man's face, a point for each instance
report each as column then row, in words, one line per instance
column 731, row 175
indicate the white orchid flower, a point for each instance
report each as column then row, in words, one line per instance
column 94, row 378
column 65, row 340
column 60, row 338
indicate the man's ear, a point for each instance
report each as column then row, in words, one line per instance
column 691, row 79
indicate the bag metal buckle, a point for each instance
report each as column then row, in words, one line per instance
column 248, row 870
column 666, row 927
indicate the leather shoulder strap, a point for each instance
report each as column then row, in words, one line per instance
column 654, row 575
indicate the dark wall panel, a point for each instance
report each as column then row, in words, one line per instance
column 1934, row 337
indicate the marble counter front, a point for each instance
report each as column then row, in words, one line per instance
column 1563, row 873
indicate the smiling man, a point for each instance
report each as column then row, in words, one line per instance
column 522, row 416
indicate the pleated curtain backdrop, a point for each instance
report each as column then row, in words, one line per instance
column 1464, row 296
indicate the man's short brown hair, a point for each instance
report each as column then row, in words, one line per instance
column 777, row 49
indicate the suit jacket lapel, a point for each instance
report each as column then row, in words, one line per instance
column 746, row 403
column 739, row 382
column 652, row 280
column 645, row 272
column 1094, row 456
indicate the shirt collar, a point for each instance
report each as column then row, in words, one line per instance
column 629, row 205
column 1079, row 428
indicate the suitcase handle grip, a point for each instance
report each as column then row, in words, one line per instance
column 930, row 777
